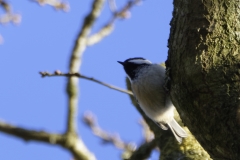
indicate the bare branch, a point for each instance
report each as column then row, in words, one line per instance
column 74, row 67
column 147, row 133
column 6, row 18
column 59, row 73
column 90, row 120
column 75, row 62
column 108, row 28
column 9, row 16
column 72, row 143
column 31, row 134
column 5, row 6
column 112, row 5
column 130, row 151
column 97, row 37
column 144, row 151
column 58, row 5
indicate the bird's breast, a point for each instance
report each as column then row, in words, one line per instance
column 151, row 97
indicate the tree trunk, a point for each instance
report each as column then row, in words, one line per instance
column 204, row 70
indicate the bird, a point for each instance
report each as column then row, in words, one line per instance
column 148, row 86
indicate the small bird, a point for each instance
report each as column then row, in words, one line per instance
column 147, row 81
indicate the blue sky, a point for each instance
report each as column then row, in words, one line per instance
column 43, row 41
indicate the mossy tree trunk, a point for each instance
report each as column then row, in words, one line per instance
column 204, row 63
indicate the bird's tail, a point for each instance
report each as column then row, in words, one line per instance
column 177, row 130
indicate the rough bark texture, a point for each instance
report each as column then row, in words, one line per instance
column 204, row 70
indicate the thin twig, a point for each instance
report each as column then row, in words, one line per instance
column 147, row 133
column 59, row 73
column 97, row 37
column 90, row 120
column 108, row 27
column 144, row 151
column 112, row 5
column 57, row 4
column 133, row 153
column 9, row 16
column 5, row 6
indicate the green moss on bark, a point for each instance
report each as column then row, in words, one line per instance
column 204, row 60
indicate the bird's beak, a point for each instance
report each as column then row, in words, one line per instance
column 122, row 63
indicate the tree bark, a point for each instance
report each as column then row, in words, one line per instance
column 204, row 70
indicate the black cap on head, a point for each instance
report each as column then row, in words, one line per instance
column 132, row 66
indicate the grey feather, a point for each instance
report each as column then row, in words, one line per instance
column 177, row 130
column 164, row 127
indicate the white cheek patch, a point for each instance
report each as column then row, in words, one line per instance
column 140, row 61
column 129, row 78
